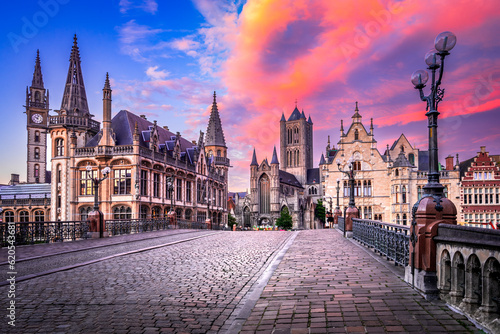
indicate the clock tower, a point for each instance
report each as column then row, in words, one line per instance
column 37, row 112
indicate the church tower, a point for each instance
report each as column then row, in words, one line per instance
column 37, row 112
column 71, row 128
column 216, row 149
column 296, row 144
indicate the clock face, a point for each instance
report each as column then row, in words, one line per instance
column 37, row 118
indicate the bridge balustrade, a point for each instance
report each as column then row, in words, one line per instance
column 341, row 223
column 390, row 240
column 26, row 233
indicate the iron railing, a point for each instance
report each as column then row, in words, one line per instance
column 27, row 233
column 341, row 223
column 390, row 240
column 132, row 226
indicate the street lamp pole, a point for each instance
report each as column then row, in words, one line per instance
column 96, row 181
column 435, row 60
column 352, row 211
column 96, row 218
column 338, row 188
column 170, row 188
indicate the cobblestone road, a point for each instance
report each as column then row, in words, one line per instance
column 326, row 284
column 191, row 287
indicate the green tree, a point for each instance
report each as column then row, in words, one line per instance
column 285, row 220
column 319, row 212
column 231, row 220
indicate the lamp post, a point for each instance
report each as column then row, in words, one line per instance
column 96, row 181
column 352, row 211
column 435, row 60
column 96, row 218
column 433, row 208
column 170, row 188
column 338, row 188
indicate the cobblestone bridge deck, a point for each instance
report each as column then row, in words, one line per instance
column 217, row 282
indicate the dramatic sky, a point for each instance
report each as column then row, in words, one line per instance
column 165, row 59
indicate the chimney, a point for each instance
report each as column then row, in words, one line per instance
column 143, row 116
column 14, row 179
column 483, row 149
column 166, row 128
column 449, row 162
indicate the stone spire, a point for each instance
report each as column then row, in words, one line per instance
column 322, row 160
column 356, row 118
column 274, row 160
column 215, row 135
column 254, row 159
column 342, row 127
column 371, row 126
column 107, row 132
column 75, row 99
column 37, row 74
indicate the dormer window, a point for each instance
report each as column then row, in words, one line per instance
column 356, row 134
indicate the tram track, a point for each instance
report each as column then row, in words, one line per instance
column 38, row 262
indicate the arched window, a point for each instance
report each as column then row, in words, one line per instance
column 144, row 212
column 24, row 216
column 37, row 171
column 84, row 212
column 403, row 194
column 39, row 216
column 155, row 213
column 8, row 217
column 369, row 188
column 37, row 136
column 419, row 192
column 356, row 134
column 411, row 158
column 445, row 192
column 396, row 172
column 122, row 212
column 178, row 213
column 405, row 220
column 188, row 214
column 397, row 218
column 246, row 217
column 37, row 153
column 218, row 153
column 397, row 194
column 356, row 165
column 265, row 194
column 346, row 189
column 59, row 147
column 37, row 96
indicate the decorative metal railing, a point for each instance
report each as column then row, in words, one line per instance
column 74, row 121
column 132, row 226
column 341, row 223
column 390, row 240
column 27, row 233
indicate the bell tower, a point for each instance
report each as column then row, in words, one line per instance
column 37, row 112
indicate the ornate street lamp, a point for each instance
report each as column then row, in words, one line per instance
column 433, row 208
column 434, row 59
column 96, row 181
column 352, row 211
column 338, row 188
column 170, row 189
column 350, row 174
column 96, row 217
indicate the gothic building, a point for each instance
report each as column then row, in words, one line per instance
column 292, row 183
column 386, row 185
column 142, row 156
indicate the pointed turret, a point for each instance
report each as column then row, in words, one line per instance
column 371, row 126
column 356, row 118
column 274, row 160
column 310, row 120
column 342, row 127
column 215, row 135
column 303, row 115
column 322, row 160
column 75, row 99
column 282, row 117
column 37, row 74
column 254, row 159
column 107, row 132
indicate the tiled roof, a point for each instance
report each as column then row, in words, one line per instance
column 36, row 190
column 290, row 179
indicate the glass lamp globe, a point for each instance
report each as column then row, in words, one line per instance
column 419, row 78
column 88, row 168
column 445, row 41
column 338, row 161
column 106, row 171
column 432, row 59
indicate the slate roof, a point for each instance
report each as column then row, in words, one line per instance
column 254, row 159
column 401, row 161
column 240, row 194
column 295, row 115
column 282, row 117
column 464, row 166
column 313, row 176
column 322, row 160
column 290, row 179
column 274, row 160
column 123, row 125
column 36, row 190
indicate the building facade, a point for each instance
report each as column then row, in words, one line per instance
column 292, row 183
column 480, row 190
column 152, row 170
column 386, row 185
